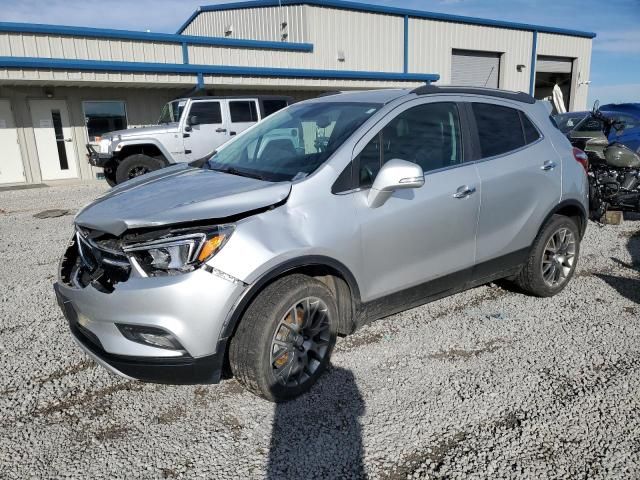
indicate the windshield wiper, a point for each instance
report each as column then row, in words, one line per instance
column 235, row 171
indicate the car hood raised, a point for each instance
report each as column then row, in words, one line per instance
column 178, row 194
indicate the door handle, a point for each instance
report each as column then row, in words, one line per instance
column 548, row 165
column 68, row 139
column 464, row 191
column 221, row 130
column 232, row 133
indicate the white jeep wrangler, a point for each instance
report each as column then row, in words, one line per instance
column 188, row 129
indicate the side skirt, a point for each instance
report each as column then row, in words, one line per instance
column 432, row 290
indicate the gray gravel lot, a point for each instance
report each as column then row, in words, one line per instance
column 487, row 383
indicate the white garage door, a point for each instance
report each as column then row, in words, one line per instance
column 475, row 69
column 11, row 168
column 554, row 64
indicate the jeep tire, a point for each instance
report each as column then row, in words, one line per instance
column 136, row 165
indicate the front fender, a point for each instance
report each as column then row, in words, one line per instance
column 121, row 145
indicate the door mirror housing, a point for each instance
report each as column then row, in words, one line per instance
column 394, row 175
column 194, row 120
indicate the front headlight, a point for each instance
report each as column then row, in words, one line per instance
column 178, row 253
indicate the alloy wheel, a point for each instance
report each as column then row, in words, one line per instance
column 558, row 257
column 301, row 342
column 137, row 171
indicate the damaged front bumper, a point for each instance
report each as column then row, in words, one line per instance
column 96, row 158
column 192, row 307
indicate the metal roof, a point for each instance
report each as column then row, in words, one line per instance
column 369, row 7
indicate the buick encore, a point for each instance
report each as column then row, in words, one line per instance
column 325, row 216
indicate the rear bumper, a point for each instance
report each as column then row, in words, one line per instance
column 97, row 159
column 173, row 370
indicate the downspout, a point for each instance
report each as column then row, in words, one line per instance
column 534, row 56
column 406, row 44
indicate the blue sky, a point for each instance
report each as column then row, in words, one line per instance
column 615, row 67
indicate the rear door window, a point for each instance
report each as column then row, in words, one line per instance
column 499, row 129
column 243, row 111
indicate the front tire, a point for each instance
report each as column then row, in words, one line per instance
column 136, row 165
column 285, row 338
column 553, row 258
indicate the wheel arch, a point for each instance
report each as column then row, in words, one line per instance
column 150, row 148
column 572, row 209
column 334, row 274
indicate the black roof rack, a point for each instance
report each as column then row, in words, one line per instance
column 492, row 92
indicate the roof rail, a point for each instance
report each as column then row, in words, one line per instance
column 329, row 93
column 492, row 92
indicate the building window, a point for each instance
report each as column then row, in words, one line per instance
column 101, row 117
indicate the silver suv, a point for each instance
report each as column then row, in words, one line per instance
column 380, row 201
column 188, row 129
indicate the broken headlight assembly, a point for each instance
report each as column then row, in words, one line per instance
column 177, row 252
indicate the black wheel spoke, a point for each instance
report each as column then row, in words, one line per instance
column 302, row 338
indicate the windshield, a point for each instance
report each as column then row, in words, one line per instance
column 568, row 121
column 292, row 143
column 172, row 111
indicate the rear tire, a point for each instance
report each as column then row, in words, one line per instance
column 136, row 165
column 285, row 338
column 553, row 258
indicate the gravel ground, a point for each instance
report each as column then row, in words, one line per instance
column 487, row 383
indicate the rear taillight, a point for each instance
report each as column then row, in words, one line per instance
column 581, row 158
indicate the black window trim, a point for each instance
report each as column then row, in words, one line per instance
column 354, row 164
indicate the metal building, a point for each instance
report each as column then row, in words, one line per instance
column 61, row 86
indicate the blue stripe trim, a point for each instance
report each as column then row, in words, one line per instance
column 185, row 53
column 151, row 37
column 97, row 65
column 534, row 56
column 406, row 43
column 368, row 7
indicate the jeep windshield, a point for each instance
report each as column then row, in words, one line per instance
column 172, row 111
column 292, row 143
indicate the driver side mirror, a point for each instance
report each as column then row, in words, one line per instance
column 394, row 175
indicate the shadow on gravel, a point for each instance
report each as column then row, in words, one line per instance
column 627, row 286
column 318, row 435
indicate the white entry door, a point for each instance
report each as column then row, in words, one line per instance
column 11, row 167
column 54, row 139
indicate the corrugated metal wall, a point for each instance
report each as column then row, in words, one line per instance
column 431, row 43
column 64, row 77
column 263, row 23
column 82, row 48
column 580, row 50
column 369, row 41
column 286, row 84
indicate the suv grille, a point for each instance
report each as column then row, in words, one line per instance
column 100, row 260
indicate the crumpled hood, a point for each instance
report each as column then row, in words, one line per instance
column 176, row 195
column 151, row 130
